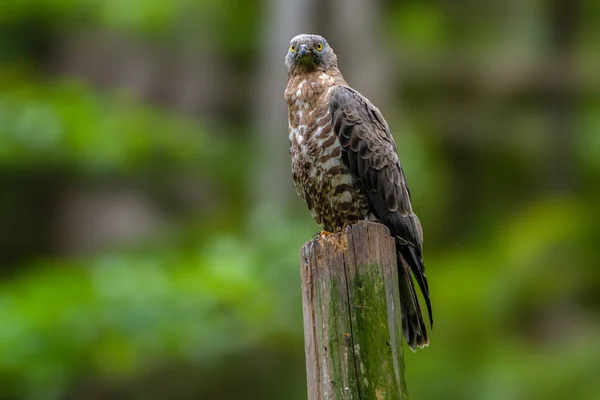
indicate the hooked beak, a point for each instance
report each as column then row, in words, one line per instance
column 303, row 50
column 306, row 57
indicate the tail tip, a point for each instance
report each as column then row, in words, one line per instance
column 418, row 342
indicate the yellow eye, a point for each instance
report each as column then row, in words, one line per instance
column 320, row 46
column 292, row 48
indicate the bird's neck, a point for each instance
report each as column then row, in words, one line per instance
column 307, row 86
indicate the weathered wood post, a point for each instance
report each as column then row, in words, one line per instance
column 352, row 318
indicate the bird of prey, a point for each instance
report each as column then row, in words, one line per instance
column 346, row 167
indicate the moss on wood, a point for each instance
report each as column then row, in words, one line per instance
column 352, row 316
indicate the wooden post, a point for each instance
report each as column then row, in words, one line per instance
column 352, row 317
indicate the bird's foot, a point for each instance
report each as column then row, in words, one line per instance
column 321, row 234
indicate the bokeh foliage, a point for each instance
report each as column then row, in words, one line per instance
column 208, row 304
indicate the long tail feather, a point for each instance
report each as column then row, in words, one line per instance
column 418, row 270
column 413, row 325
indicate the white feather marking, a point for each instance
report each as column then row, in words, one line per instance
column 315, row 134
column 327, row 150
column 345, row 197
column 332, row 162
column 322, row 117
column 345, row 179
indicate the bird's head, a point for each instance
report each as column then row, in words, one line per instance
column 309, row 53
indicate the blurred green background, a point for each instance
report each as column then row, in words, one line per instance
column 150, row 230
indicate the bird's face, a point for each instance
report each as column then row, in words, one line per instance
column 309, row 52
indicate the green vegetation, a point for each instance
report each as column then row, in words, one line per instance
column 204, row 302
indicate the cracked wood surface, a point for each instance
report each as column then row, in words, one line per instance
column 352, row 317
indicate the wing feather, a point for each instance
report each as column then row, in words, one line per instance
column 369, row 151
column 367, row 145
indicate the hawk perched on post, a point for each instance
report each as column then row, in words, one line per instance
column 345, row 166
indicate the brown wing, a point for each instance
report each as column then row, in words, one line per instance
column 369, row 151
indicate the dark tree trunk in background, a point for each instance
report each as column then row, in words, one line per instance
column 283, row 19
column 563, row 27
column 358, row 42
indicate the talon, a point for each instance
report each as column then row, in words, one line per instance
column 321, row 234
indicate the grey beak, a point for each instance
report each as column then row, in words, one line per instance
column 303, row 50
